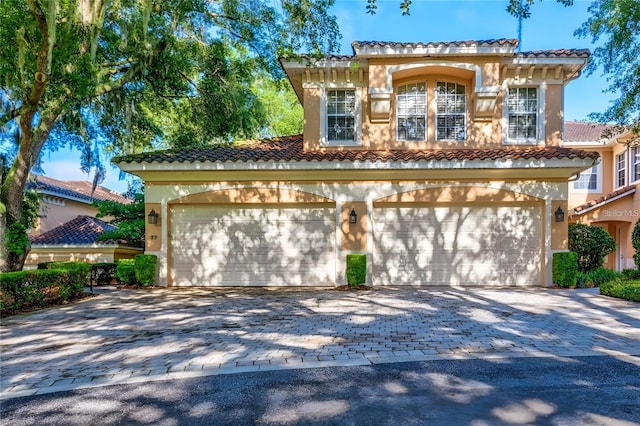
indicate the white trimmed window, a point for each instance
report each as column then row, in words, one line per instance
column 451, row 109
column 621, row 169
column 522, row 114
column 341, row 115
column 411, row 112
column 635, row 164
column 589, row 180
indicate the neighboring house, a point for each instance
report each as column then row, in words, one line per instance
column 442, row 162
column 606, row 194
column 76, row 240
column 63, row 201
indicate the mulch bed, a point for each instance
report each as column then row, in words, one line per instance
column 352, row 288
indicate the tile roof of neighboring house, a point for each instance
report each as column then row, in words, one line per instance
column 290, row 148
column 81, row 230
column 77, row 189
column 464, row 43
column 575, row 131
column 555, row 53
column 630, row 189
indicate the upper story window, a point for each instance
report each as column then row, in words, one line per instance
column 621, row 169
column 341, row 115
column 451, row 109
column 411, row 104
column 522, row 114
column 635, row 163
column 589, row 180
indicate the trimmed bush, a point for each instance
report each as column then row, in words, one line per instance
column 356, row 269
column 583, row 281
column 591, row 243
column 126, row 271
column 24, row 290
column 565, row 269
column 602, row 275
column 631, row 274
column 629, row 290
column 103, row 273
column 145, row 268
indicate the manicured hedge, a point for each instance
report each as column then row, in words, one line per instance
column 629, row 290
column 145, row 269
column 565, row 269
column 356, row 269
column 126, row 271
column 103, row 273
column 24, row 290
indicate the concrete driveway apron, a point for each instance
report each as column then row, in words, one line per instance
column 129, row 336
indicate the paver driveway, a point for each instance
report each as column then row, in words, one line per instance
column 128, row 336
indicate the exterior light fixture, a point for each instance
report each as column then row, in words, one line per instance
column 353, row 217
column 559, row 214
column 152, row 217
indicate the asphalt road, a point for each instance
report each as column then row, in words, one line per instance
column 558, row 391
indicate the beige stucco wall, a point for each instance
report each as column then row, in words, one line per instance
column 361, row 196
column 54, row 215
column 89, row 254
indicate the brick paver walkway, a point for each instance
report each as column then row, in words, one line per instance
column 128, row 336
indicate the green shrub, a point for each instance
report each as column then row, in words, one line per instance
column 602, row 275
column 103, row 273
column 356, row 269
column 631, row 274
column 145, row 268
column 583, row 281
column 565, row 269
column 629, row 290
column 635, row 242
column 41, row 287
column 591, row 243
column 126, row 271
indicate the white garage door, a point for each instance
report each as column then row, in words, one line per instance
column 450, row 245
column 252, row 246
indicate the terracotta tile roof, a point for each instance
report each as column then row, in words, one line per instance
column 555, row 53
column 604, row 199
column 575, row 131
column 290, row 148
column 81, row 230
column 464, row 43
column 78, row 189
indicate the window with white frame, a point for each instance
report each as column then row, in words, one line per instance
column 411, row 111
column 635, row 163
column 451, row 108
column 341, row 114
column 621, row 169
column 589, row 180
column 522, row 114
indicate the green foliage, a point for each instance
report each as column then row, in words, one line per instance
column 631, row 274
column 16, row 238
column 103, row 273
column 565, row 269
column 284, row 113
column 41, row 287
column 629, row 290
column 635, row 242
column 146, row 266
column 617, row 23
column 126, row 271
column 591, row 243
column 356, row 269
column 129, row 218
column 602, row 275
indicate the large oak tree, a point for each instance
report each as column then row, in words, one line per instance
column 111, row 74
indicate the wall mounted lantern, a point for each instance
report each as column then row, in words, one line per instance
column 559, row 214
column 152, row 217
column 353, row 217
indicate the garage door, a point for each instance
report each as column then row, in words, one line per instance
column 453, row 244
column 252, row 246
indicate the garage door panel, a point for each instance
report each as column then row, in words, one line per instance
column 253, row 246
column 445, row 245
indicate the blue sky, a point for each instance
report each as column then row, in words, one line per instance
column 551, row 27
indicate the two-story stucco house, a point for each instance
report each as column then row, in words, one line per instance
column 606, row 194
column 442, row 162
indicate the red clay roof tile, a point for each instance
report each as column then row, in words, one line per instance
column 290, row 148
column 76, row 188
column 602, row 200
column 81, row 230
